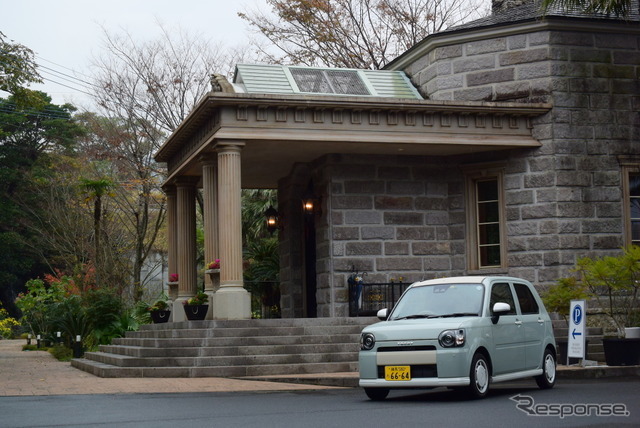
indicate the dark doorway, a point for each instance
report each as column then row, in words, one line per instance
column 310, row 285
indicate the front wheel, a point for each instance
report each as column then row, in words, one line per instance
column 548, row 377
column 377, row 394
column 480, row 376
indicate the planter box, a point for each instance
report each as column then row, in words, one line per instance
column 196, row 312
column 159, row 317
column 621, row 352
column 632, row 332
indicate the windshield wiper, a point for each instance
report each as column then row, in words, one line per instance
column 459, row 314
column 416, row 316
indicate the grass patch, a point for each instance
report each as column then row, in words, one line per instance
column 61, row 353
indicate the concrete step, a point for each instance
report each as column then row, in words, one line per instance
column 235, row 341
column 216, row 351
column 246, row 331
column 222, row 361
column 277, row 322
column 231, row 349
column 110, row 371
column 564, row 332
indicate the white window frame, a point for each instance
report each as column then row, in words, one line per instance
column 472, row 177
column 627, row 170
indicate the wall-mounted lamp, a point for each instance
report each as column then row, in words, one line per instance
column 310, row 203
column 273, row 219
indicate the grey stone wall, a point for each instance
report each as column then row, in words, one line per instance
column 391, row 217
column 290, row 191
column 564, row 200
column 404, row 216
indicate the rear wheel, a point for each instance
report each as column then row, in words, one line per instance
column 480, row 376
column 377, row 394
column 548, row 377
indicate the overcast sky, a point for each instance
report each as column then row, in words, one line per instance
column 65, row 34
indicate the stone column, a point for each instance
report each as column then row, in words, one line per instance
column 231, row 301
column 210, row 197
column 186, row 243
column 172, row 254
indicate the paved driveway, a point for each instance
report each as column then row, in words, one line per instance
column 38, row 373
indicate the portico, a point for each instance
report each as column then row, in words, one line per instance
column 236, row 139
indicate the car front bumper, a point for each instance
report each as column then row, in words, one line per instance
column 415, row 383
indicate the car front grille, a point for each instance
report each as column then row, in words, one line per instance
column 406, row 348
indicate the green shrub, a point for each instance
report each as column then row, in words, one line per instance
column 8, row 325
column 614, row 283
column 61, row 353
column 558, row 297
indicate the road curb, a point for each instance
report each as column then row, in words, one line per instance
column 563, row 372
column 598, row 372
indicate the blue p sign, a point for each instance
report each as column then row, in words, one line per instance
column 577, row 315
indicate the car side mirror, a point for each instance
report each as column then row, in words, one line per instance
column 383, row 314
column 500, row 308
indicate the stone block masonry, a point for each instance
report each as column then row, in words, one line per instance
column 391, row 221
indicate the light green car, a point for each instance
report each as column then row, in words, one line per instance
column 459, row 332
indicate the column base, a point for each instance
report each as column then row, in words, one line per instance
column 211, row 303
column 232, row 303
column 177, row 310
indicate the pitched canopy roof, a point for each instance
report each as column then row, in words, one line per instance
column 280, row 79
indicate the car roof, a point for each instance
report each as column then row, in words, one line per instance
column 471, row 279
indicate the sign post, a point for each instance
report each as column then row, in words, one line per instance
column 577, row 330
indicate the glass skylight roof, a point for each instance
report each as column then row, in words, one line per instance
column 278, row 79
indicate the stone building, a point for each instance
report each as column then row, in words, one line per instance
column 514, row 150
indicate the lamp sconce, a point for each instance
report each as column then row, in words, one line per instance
column 273, row 219
column 311, row 204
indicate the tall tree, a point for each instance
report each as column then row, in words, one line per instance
column 156, row 83
column 353, row 33
column 126, row 157
column 30, row 137
column 145, row 90
column 17, row 70
column 95, row 190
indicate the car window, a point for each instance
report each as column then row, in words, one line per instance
column 501, row 292
column 528, row 304
column 442, row 300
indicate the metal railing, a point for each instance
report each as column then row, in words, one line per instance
column 366, row 299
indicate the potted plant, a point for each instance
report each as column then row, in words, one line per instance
column 213, row 266
column 196, row 307
column 159, row 312
column 613, row 284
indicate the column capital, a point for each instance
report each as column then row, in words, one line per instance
column 208, row 159
column 169, row 189
column 229, row 146
column 186, row 181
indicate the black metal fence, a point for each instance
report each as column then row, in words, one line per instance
column 366, row 299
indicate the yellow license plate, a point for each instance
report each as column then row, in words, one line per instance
column 397, row 373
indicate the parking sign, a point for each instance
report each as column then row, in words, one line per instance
column 577, row 321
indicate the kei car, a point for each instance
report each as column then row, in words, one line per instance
column 463, row 332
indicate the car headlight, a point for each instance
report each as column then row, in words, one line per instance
column 451, row 338
column 367, row 341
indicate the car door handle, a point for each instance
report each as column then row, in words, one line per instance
column 518, row 322
column 540, row 321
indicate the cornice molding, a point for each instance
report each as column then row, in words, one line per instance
column 467, row 35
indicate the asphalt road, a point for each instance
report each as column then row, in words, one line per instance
column 510, row 404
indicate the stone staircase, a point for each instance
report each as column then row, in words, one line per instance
column 231, row 349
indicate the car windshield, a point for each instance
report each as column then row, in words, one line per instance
column 440, row 301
